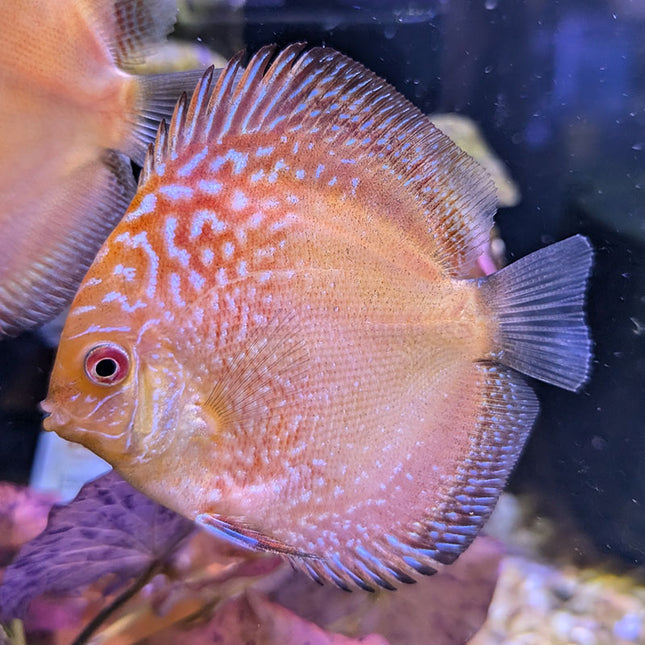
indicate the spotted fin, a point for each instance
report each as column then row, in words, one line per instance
column 538, row 302
column 43, row 270
column 508, row 410
column 321, row 94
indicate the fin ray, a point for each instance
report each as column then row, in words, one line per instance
column 130, row 29
column 244, row 536
column 99, row 196
column 262, row 376
column 509, row 408
column 538, row 302
column 318, row 91
column 158, row 96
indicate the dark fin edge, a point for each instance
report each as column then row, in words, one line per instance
column 538, row 303
column 502, row 430
column 43, row 299
column 311, row 92
column 131, row 30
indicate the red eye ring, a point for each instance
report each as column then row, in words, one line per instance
column 107, row 364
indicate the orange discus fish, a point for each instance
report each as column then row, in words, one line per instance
column 69, row 108
column 278, row 340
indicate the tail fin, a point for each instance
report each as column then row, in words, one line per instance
column 538, row 302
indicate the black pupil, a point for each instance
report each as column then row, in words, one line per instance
column 106, row 367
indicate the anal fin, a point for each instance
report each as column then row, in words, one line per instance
column 508, row 408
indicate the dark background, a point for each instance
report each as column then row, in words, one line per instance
column 559, row 91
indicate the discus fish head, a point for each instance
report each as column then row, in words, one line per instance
column 106, row 396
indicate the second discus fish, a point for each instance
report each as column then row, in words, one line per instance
column 70, row 113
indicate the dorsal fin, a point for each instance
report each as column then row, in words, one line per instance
column 131, row 29
column 324, row 94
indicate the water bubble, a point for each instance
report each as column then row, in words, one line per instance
column 490, row 4
column 390, row 31
column 414, row 15
column 598, row 442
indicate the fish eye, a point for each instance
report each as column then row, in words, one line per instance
column 107, row 364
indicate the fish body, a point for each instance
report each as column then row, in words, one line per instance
column 279, row 340
column 73, row 117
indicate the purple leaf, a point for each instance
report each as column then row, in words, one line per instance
column 23, row 515
column 251, row 618
column 109, row 528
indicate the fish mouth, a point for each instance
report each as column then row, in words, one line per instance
column 55, row 418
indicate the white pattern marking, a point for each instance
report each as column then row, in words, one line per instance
column 146, row 205
column 287, row 220
column 202, row 217
column 256, row 219
column 81, row 310
column 175, row 290
column 129, row 273
column 270, row 202
column 196, row 280
column 239, row 200
column 140, row 241
column 207, row 257
column 238, row 159
column 188, row 168
column 209, row 186
column 176, row 192
column 181, row 255
column 228, row 248
column 123, row 301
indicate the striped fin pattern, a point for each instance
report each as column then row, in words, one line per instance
column 324, row 95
